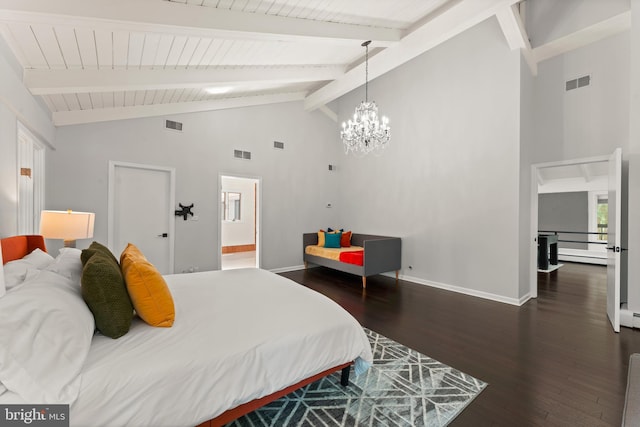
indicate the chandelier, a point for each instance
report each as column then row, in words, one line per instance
column 365, row 133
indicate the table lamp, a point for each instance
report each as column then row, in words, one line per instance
column 67, row 225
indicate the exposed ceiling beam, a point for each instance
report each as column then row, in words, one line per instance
column 444, row 25
column 541, row 180
column 584, row 37
column 329, row 113
column 516, row 35
column 64, row 118
column 153, row 15
column 586, row 173
column 48, row 82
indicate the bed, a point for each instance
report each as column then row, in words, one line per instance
column 372, row 255
column 241, row 338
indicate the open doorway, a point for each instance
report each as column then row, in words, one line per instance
column 239, row 203
column 576, row 177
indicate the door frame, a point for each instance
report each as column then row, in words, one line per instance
column 533, row 252
column 113, row 164
column 257, row 218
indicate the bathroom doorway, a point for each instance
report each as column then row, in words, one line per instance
column 239, row 207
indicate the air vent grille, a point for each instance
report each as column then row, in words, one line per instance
column 279, row 145
column 239, row 154
column 577, row 83
column 170, row 124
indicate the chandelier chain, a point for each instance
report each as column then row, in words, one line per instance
column 366, row 73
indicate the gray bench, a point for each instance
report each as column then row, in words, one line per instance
column 381, row 254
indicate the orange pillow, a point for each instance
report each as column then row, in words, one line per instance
column 321, row 238
column 147, row 289
column 345, row 240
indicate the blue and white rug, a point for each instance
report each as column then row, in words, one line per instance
column 402, row 388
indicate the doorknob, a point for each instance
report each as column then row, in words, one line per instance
column 163, row 235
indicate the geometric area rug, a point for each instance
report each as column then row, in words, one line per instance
column 402, row 388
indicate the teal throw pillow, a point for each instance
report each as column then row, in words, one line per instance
column 332, row 240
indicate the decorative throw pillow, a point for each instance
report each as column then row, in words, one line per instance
column 104, row 291
column 332, row 240
column 149, row 292
column 345, row 240
column 321, row 238
column 93, row 248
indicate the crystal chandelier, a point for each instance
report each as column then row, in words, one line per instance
column 365, row 133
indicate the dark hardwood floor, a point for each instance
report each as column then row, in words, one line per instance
column 555, row 361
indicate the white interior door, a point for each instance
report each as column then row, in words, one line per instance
column 30, row 181
column 141, row 211
column 613, row 239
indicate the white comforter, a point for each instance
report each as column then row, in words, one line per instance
column 238, row 335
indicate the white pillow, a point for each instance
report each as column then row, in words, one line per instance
column 38, row 258
column 2, row 286
column 67, row 264
column 18, row 271
column 45, row 335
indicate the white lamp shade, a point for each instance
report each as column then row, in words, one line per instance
column 67, row 225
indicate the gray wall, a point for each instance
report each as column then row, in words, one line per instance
column 590, row 121
column 565, row 212
column 449, row 182
column 527, row 141
column 295, row 182
column 634, row 163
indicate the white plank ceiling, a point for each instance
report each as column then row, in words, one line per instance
column 97, row 60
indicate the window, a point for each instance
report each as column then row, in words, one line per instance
column 230, row 206
column 602, row 215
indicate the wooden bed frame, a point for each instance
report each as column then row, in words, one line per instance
column 381, row 254
column 16, row 247
column 245, row 408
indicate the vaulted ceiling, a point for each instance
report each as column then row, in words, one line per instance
column 99, row 60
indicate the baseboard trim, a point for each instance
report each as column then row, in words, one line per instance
column 444, row 286
column 287, row 269
column 466, row 291
column 238, row 248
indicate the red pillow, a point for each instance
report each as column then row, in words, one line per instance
column 345, row 240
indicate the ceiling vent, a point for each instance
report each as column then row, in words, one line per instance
column 239, row 154
column 577, row 83
column 279, row 145
column 170, row 124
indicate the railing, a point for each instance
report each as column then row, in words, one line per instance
column 587, row 233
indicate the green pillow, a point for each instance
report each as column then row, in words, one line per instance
column 332, row 240
column 104, row 291
column 94, row 248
